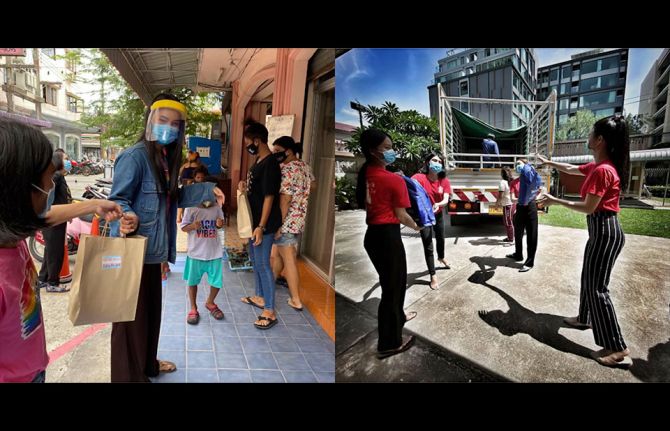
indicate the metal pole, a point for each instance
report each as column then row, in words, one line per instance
column 360, row 117
column 665, row 190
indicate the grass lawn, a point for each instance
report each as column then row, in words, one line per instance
column 634, row 221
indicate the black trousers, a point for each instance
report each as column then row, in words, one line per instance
column 427, row 239
column 606, row 240
column 387, row 253
column 526, row 219
column 135, row 344
column 54, row 252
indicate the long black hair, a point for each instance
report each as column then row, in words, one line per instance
column 174, row 155
column 370, row 139
column 426, row 162
column 614, row 131
column 25, row 154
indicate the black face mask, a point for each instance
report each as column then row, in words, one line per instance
column 252, row 149
column 281, row 156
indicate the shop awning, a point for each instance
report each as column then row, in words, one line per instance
column 150, row 71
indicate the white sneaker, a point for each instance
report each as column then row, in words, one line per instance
column 525, row 268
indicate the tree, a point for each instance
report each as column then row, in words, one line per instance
column 638, row 124
column 577, row 127
column 413, row 134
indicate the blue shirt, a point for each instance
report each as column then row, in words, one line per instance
column 530, row 182
column 490, row 146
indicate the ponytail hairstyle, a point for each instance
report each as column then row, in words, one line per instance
column 370, row 139
column 614, row 132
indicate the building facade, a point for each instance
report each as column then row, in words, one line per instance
column 655, row 99
column 489, row 73
column 593, row 80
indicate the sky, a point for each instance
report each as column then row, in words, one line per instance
column 372, row 76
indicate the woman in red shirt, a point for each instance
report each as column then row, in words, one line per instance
column 384, row 196
column 609, row 142
column 433, row 179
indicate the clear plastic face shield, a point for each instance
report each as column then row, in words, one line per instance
column 166, row 123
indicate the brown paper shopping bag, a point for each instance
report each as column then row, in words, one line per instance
column 244, row 220
column 106, row 280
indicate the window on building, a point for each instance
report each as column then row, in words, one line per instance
column 563, row 89
column 473, row 57
column 73, row 104
column 563, row 104
column 574, row 103
column 553, row 75
column 51, row 52
column 463, row 60
column 452, row 63
column 523, row 55
column 72, row 147
column 562, row 119
column 597, row 99
column 566, row 73
column 487, row 52
column 599, row 82
column 50, row 94
column 53, row 138
column 600, row 113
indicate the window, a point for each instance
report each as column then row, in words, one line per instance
column 487, row 52
column 523, row 55
column 72, row 146
column 50, row 94
column 600, row 113
column 72, row 104
column 597, row 99
column 51, row 52
column 452, row 63
column 53, row 138
column 602, row 64
column 473, row 56
column 565, row 72
column 563, row 118
column 574, row 103
column 553, row 75
column 599, row 82
column 564, row 89
column 563, row 104
column 463, row 90
column 462, row 60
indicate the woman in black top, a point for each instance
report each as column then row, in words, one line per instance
column 54, row 237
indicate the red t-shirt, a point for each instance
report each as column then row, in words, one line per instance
column 602, row 180
column 385, row 191
column 514, row 187
column 435, row 189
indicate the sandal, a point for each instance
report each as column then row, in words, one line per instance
column 410, row 315
column 215, row 311
column 270, row 324
column 57, row 288
column 247, row 300
column 288, row 301
column 166, row 366
column 193, row 317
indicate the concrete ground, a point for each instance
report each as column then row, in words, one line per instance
column 505, row 323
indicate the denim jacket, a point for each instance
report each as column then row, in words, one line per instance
column 135, row 189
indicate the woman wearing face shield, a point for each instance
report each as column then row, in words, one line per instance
column 54, row 237
column 27, row 193
column 384, row 197
column 146, row 186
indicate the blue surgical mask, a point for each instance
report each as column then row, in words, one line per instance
column 435, row 167
column 519, row 168
column 67, row 165
column 164, row 133
column 51, row 194
column 389, row 156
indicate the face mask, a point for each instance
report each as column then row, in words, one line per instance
column 435, row 167
column 519, row 168
column 50, row 200
column 389, row 156
column 281, row 156
column 67, row 165
column 164, row 133
column 252, row 149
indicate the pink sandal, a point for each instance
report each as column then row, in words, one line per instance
column 193, row 317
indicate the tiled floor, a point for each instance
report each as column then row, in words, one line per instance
column 232, row 349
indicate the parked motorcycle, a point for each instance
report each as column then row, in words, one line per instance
column 75, row 228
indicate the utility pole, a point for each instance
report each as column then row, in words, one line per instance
column 38, row 89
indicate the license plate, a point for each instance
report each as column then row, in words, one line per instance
column 495, row 211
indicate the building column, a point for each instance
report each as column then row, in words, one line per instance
column 290, row 77
column 665, row 138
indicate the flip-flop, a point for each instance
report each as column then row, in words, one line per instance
column 215, row 311
column 193, row 317
column 626, row 362
column 288, row 301
column 166, row 366
column 272, row 323
column 410, row 315
column 247, row 300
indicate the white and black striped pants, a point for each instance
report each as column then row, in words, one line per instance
column 606, row 239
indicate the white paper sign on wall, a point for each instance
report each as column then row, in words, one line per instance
column 203, row 151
